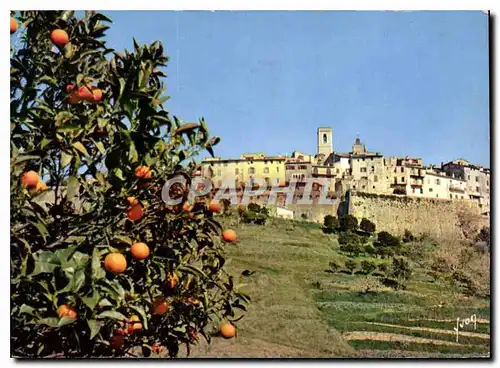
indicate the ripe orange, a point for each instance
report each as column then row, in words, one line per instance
column 73, row 98
column 139, row 250
column 41, row 186
column 173, row 279
column 117, row 341
column 227, row 330
column 156, row 348
column 30, row 179
column 143, row 172
column 115, row 262
column 135, row 212
column 229, row 236
column 59, row 37
column 96, row 95
column 193, row 335
column 13, row 25
column 215, row 207
column 132, row 201
column 160, row 306
column 193, row 301
column 134, row 324
column 70, row 87
column 84, row 93
column 66, row 311
column 186, row 207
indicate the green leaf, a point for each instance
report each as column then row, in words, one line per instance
column 122, row 88
column 68, row 51
column 186, row 128
column 123, row 239
column 50, row 321
column 119, row 174
column 100, row 147
column 91, row 301
column 42, row 229
column 63, row 117
column 72, row 187
column 95, row 327
column 65, row 321
column 81, row 148
column 97, row 271
column 105, row 303
column 69, row 127
column 79, row 79
column 113, row 315
column 26, row 309
column 161, row 100
column 44, row 143
column 22, row 158
column 132, row 154
column 65, row 158
column 64, row 255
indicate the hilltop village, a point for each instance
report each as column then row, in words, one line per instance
column 358, row 171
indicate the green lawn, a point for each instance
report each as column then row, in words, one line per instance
column 299, row 310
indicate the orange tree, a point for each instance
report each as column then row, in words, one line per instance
column 100, row 265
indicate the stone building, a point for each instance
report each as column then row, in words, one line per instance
column 477, row 180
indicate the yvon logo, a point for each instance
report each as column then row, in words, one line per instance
column 465, row 322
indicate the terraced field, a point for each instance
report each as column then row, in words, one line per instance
column 299, row 310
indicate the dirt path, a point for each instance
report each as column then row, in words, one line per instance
column 384, row 336
column 479, row 320
column 437, row 330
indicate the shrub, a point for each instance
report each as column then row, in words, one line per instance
column 484, row 236
column 254, row 214
column 370, row 249
column 348, row 223
column 368, row 266
column 383, row 267
column 92, row 126
column 388, row 240
column 408, row 236
column 334, row 267
column 401, row 268
column 351, row 265
column 367, row 226
column 351, row 243
column 330, row 224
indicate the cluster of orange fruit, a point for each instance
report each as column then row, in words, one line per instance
column 32, row 182
column 84, row 93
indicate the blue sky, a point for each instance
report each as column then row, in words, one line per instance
column 409, row 83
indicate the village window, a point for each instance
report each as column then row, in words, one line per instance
column 236, row 171
column 338, row 171
column 477, row 189
column 438, row 181
column 375, row 178
column 251, row 170
column 421, row 190
column 373, row 169
column 266, row 170
column 219, row 173
column 325, row 139
column 363, row 169
column 430, row 190
column 402, row 179
column 451, row 196
column 402, row 169
column 277, row 169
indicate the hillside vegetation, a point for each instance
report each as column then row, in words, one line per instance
column 301, row 308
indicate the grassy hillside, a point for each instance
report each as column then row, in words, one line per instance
column 299, row 310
